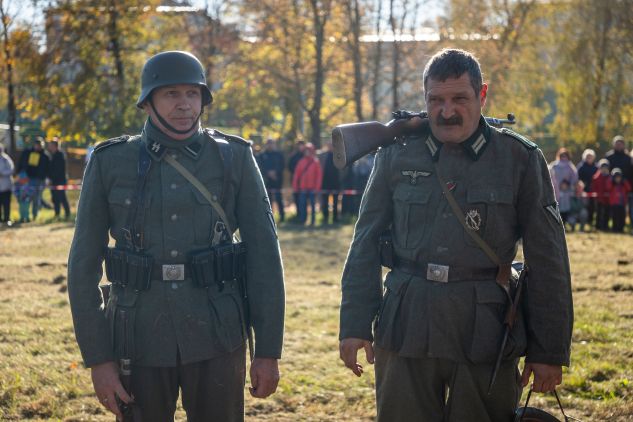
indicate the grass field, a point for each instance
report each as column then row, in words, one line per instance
column 42, row 378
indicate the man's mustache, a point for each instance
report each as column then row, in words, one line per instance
column 451, row 121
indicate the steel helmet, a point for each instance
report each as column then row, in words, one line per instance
column 173, row 68
column 533, row 414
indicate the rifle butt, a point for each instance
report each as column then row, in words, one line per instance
column 354, row 140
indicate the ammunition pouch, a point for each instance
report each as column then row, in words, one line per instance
column 385, row 247
column 218, row 264
column 128, row 269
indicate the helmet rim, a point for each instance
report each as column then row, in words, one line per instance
column 173, row 68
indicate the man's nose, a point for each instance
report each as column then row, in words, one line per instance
column 447, row 111
column 183, row 105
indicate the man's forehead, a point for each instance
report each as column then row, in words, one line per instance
column 449, row 84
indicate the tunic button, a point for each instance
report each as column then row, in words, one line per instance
column 214, row 197
column 128, row 201
column 174, row 253
column 174, row 156
column 174, row 186
column 174, row 217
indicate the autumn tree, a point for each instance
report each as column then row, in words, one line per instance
column 594, row 86
column 91, row 66
column 297, row 43
column 7, row 15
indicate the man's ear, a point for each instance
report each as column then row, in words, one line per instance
column 483, row 94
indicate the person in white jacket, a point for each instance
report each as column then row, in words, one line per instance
column 6, row 185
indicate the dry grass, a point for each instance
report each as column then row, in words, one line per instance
column 41, row 377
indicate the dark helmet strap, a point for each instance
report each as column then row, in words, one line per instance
column 170, row 127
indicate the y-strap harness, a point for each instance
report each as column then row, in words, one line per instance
column 131, row 266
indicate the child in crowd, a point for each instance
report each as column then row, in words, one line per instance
column 619, row 190
column 581, row 204
column 600, row 186
column 24, row 194
column 568, row 204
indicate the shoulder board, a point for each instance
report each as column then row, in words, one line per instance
column 114, row 141
column 525, row 141
column 234, row 138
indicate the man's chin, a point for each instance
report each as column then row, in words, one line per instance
column 182, row 124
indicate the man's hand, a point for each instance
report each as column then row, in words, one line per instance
column 348, row 349
column 546, row 377
column 264, row 377
column 107, row 385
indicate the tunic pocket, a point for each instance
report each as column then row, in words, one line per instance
column 389, row 329
column 481, row 212
column 204, row 216
column 411, row 212
column 227, row 317
column 489, row 329
column 121, row 200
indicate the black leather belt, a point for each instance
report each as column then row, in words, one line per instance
column 171, row 272
column 443, row 273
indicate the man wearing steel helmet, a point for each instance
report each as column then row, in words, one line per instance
column 173, row 198
column 436, row 331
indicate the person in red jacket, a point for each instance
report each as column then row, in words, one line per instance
column 600, row 186
column 306, row 181
column 619, row 190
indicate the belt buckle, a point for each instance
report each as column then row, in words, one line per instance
column 435, row 272
column 173, row 272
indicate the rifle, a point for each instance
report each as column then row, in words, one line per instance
column 510, row 318
column 352, row 141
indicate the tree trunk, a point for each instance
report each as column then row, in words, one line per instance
column 395, row 74
column 375, row 100
column 319, row 18
column 603, row 52
column 353, row 12
column 10, row 87
column 115, row 47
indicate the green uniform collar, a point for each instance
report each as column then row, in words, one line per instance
column 158, row 142
column 474, row 145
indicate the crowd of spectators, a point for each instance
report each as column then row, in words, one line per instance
column 316, row 184
column 40, row 164
column 591, row 195
column 594, row 195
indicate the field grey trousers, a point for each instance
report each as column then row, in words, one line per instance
column 440, row 390
column 212, row 390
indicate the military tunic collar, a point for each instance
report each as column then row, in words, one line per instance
column 474, row 145
column 158, row 143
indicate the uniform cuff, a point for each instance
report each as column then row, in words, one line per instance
column 548, row 358
column 97, row 360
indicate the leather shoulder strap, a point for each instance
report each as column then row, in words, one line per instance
column 462, row 220
column 133, row 230
column 505, row 269
column 201, row 188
